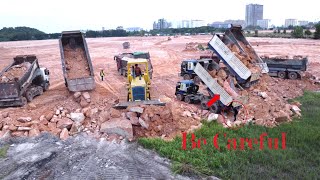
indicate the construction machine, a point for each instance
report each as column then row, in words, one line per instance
column 138, row 86
column 22, row 80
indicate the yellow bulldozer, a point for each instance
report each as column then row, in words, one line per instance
column 138, row 85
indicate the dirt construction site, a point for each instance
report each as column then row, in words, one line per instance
column 65, row 114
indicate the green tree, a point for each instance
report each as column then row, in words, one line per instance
column 317, row 33
column 279, row 31
column 256, row 32
column 307, row 32
column 297, row 32
column 284, row 31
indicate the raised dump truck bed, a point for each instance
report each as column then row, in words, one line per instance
column 236, row 35
column 286, row 68
column 22, row 80
column 76, row 62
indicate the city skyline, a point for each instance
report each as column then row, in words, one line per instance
column 72, row 15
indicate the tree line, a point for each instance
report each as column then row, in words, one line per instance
column 27, row 33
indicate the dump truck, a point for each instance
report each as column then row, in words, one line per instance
column 138, row 86
column 22, row 80
column 188, row 65
column 286, row 68
column 122, row 61
column 187, row 91
column 220, row 44
column 76, row 62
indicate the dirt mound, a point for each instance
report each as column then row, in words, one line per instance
column 76, row 62
column 194, row 46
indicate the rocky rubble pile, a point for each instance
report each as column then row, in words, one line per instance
column 15, row 72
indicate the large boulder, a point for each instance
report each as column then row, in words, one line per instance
column 64, row 123
column 136, row 109
column 143, row 123
column 119, row 126
column 64, row 134
column 77, row 117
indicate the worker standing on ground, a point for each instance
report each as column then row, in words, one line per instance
column 137, row 70
column 102, row 74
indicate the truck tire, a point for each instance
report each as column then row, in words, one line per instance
column 120, row 72
column 187, row 99
column 214, row 108
column 180, row 97
column 186, row 77
column 29, row 96
column 204, row 105
column 197, row 80
column 46, row 86
column 282, row 74
column 24, row 101
column 293, row 75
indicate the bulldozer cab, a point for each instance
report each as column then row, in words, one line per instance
column 132, row 65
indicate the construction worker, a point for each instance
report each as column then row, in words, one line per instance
column 137, row 70
column 102, row 74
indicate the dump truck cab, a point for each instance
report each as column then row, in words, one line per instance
column 188, row 66
column 187, row 90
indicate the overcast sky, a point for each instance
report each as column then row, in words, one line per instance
column 58, row 15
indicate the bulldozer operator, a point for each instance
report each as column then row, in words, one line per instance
column 137, row 70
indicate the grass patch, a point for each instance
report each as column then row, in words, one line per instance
column 3, row 151
column 300, row 159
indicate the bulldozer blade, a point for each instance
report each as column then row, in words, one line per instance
column 123, row 105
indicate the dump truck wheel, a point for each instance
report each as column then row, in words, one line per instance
column 187, row 99
column 29, row 96
column 293, row 75
column 180, row 97
column 282, row 74
column 196, row 80
column 46, row 87
column 214, row 109
column 24, row 101
column 186, row 77
column 204, row 105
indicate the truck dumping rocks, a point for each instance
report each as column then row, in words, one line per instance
column 76, row 63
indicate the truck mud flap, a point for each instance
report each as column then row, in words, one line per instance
column 123, row 105
column 81, row 84
column 228, row 57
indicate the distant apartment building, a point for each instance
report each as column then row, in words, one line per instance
column 264, row 23
column 303, row 23
column 236, row 22
column 254, row 12
column 132, row 29
column 188, row 24
column 161, row 24
column 218, row 24
column 290, row 22
column 119, row 28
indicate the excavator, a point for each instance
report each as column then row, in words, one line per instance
column 138, row 87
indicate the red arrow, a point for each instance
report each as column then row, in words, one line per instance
column 215, row 98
